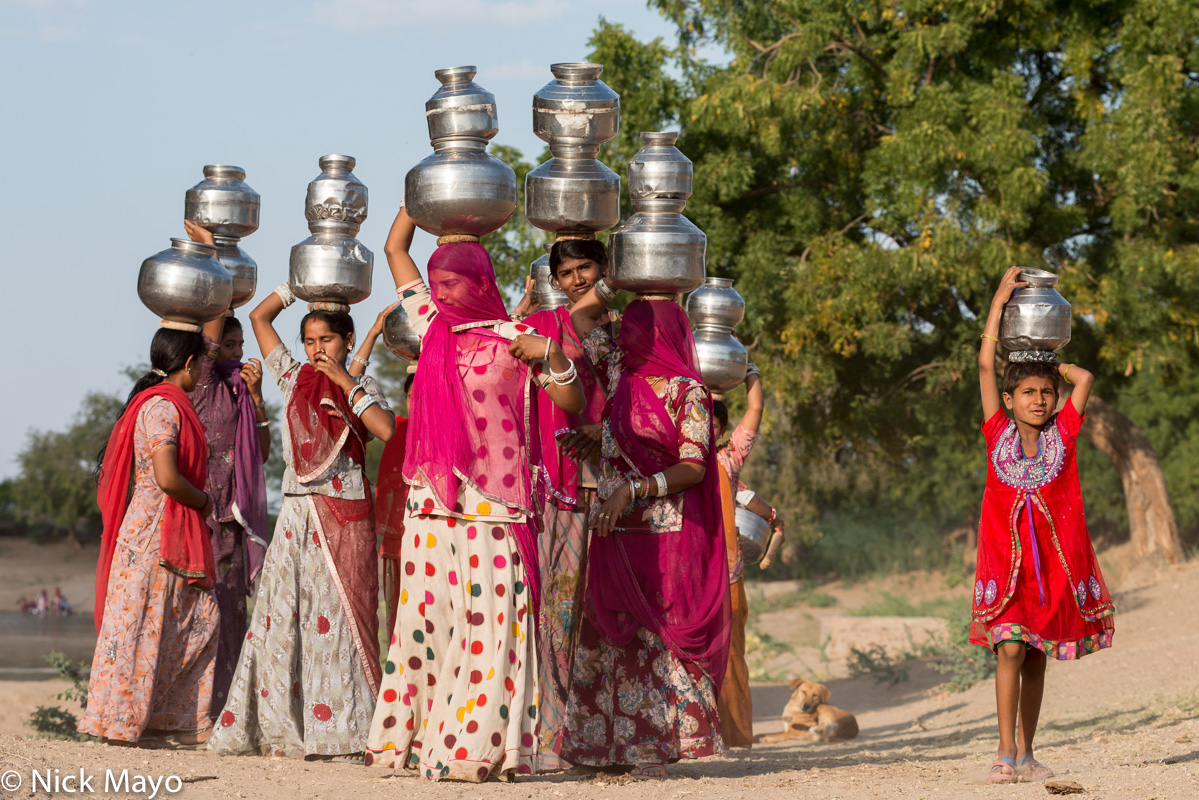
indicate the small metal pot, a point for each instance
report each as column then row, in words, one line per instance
column 1037, row 317
column 242, row 268
column 753, row 533
column 331, row 268
column 223, row 203
column 722, row 359
column 399, row 336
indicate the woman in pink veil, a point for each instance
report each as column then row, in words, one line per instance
column 459, row 691
column 653, row 641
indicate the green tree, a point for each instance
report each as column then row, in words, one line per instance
column 56, row 483
column 866, row 171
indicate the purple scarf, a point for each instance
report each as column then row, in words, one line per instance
column 249, row 482
column 674, row 583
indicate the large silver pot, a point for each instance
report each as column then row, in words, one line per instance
column 547, row 294
column 185, row 283
column 658, row 250
column 722, row 359
column 331, row 268
column 1037, row 317
column 659, row 169
column 223, row 203
column 242, row 268
column 754, row 534
column 336, row 201
column 577, row 196
column 399, row 336
column 462, row 191
column 657, row 254
column 461, row 108
column 716, row 304
column 576, row 110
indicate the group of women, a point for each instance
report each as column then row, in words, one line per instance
column 559, row 584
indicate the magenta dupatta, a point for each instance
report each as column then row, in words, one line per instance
column 558, row 471
column 467, row 414
column 675, row 584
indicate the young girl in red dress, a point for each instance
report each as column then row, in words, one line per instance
column 1038, row 591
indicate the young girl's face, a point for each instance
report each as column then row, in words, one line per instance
column 1034, row 400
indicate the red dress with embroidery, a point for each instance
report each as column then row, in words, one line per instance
column 1038, row 583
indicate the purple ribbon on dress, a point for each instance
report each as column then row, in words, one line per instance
column 249, row 481
column 1036, row 551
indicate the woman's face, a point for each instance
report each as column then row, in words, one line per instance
column 320, row 340
column 189, row 376
column 231, row 346
column 451, row 289
column 576, row 275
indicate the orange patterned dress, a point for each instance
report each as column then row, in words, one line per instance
column 156, row 652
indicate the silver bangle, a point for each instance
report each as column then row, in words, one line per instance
column 660, row 483
column 264, row 424
column 604, row 290
column 365, row 362
column 363, row 404
column 546, row 357
column 284, row 292
column 632, row 492
column 566, row 376
column 352, row 389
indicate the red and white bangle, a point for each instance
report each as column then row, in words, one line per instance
column 773, row 516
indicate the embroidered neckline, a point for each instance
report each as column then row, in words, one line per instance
column 1015, row 470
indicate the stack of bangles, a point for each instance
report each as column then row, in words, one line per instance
column 774, row 514
column 640, row 489
column 364, row 402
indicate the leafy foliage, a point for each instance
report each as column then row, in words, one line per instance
column 866, row 171
column 55, row 722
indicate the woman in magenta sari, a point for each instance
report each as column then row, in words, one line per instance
column 459, row 693
column 308, row 675
column 653, row 641
column 566, row 479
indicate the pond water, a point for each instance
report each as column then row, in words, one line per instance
column 26, row 638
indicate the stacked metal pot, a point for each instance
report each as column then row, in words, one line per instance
column 225, row 205
column 185, row 285
column 331, row 266
column 573, row 195
column 460, row 190
column 1036, row 321
column 714, row 310
column 658, row 251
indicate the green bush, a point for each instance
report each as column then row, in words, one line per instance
column 55, row 722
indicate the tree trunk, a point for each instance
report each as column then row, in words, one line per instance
column 1151, row 522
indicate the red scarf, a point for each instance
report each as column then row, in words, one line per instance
column 185, row 547
column 316, row 437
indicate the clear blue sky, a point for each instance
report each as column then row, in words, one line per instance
column 110, row 109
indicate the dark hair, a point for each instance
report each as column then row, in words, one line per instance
column 1018, row 371
column 339, row 322
column 571, row 249
column 231, row 324
column 408, row 382
column 169, row 351
column 721, row 412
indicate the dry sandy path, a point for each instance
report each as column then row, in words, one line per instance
column 1123, row 723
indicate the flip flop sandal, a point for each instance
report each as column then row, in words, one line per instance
column 1003, row 771
column 1030, row 769
column 648, row 772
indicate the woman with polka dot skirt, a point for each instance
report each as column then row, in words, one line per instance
column 459, row 691
column 306, row 681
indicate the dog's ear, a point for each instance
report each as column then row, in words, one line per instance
column 795, row 682
column 823, row 692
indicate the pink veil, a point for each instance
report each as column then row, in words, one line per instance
column 468, row 408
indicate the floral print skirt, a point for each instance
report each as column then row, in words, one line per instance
column 637, row 704
column 562, row 550
column 153, row 666
column 299, row 688
column 459, row 691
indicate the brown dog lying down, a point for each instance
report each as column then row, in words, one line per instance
column 809, row 717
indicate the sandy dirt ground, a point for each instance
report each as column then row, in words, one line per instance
column 1123, row 723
